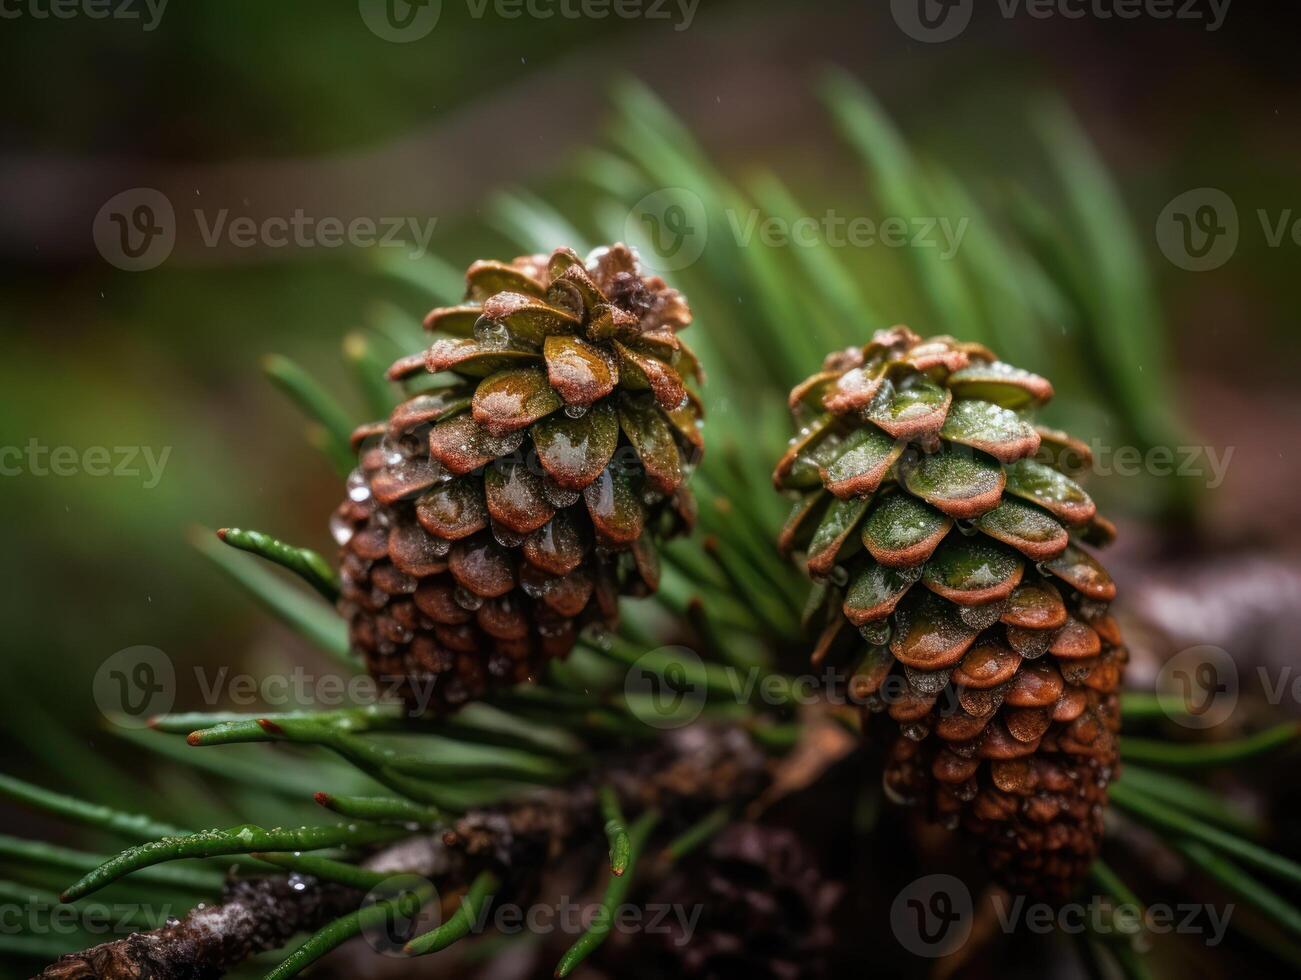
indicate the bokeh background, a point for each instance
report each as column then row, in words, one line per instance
column 1065, row 139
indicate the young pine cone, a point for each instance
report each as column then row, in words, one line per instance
column 942, row 527
column 525, row 488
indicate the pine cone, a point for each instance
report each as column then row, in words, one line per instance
column 763, row 910
column 937, row 519
column 492, row 517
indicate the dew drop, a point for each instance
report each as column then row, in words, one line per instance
column 915, row 731
column 1030, row 644
column 927, row 681
column 877, row 634
column 506, row 537
column 466, row 599
column 559, row 497
column 601, row 636
column 358, row 489
column 913, row 574
column 981, row 617
column 895, row 796
column 491, row 333
column 340, row 529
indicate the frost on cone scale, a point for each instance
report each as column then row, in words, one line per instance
column 944, row 532
column 524, row 488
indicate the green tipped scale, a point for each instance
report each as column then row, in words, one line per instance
column 943, row 524
column 490, row 519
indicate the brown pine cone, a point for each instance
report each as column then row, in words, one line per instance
column 493, row 516
column 942, row 528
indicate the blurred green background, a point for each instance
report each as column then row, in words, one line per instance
column 262, row 109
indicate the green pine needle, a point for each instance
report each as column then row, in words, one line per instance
column 405, row 905
column 130, row 825
column 1167, row 818
column 615, row 892
column 620, row 845
column 1243, row 885
column 1205, row 754
column 319, row 406
column 1194, row 799
column 244, row 839
column 327, row 869
column 461, row 921
column 305, row 616
column 381, row 809
column 58, row 858
column 695, row 836
column 371, row 374
column 303, row 562
column 446, row 759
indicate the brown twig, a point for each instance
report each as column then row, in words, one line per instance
column 685, row 773
column 254, row 915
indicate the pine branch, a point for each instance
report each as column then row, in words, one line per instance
column 679, row 774
column 254, row 916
